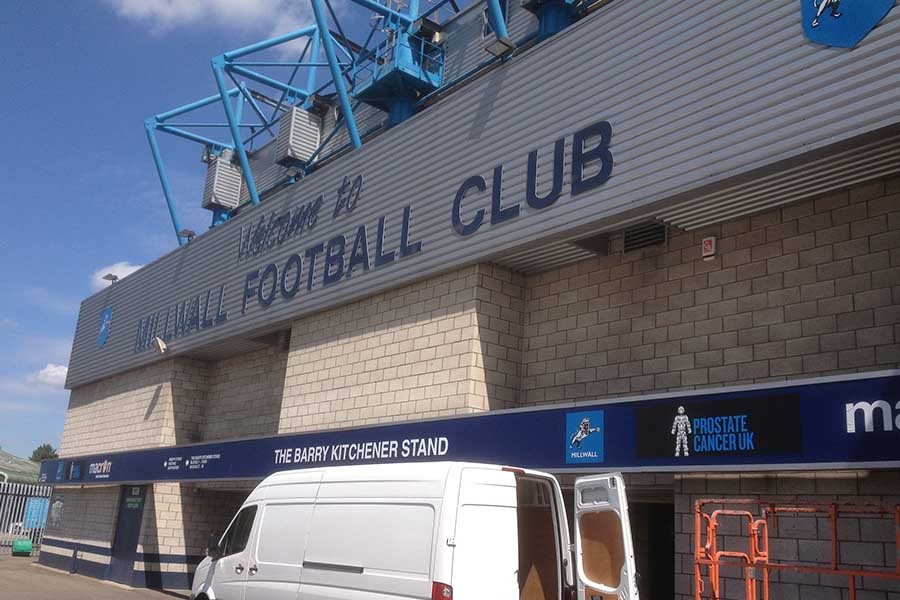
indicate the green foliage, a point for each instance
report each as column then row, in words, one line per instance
column 43, row 452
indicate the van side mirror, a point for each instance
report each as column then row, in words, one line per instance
column 212, row 547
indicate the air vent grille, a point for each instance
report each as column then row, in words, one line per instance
column 644, row 236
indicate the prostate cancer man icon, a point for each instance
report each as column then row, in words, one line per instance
column 584, row 430
column 681, row 427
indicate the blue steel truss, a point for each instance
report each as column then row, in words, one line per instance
column 394, row 74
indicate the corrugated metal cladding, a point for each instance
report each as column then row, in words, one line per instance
column 465, row 40
column 698, row 93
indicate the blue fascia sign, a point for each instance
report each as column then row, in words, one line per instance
column 839, row 422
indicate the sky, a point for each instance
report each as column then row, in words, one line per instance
column 79, row 189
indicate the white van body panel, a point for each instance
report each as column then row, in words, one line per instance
column 487, row 540
column 386, row 532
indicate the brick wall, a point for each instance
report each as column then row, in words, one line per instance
column 178, row 518
column 88, row 515
column 447, row 345
column 864, row 542
column 244, row 395
column 809, row 289
column 157, row 405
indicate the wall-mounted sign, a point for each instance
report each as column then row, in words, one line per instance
column 105, row 325
column 735, row 427
column 842, row 23
column 835, row 422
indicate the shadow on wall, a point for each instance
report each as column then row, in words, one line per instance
column 443, row 346
column 161, row 404
column 173, row 547
column 245, row 394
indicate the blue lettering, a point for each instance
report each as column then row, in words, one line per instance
column 249, row 292
column 334, row 257
column 406, row 248
column 380, row 257
column 498, row 213
column 534, row 200
column 221, row 315
column 582, row 157
column 477, row 182
column 360, row 253
column 206, row 321
column 311, row 254
column 263, row 298
column 295, row 261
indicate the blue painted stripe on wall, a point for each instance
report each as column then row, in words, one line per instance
column 82, row 547
column 151, row 557
column 177, row 559
column 148, row 579
column 82, row 567
column 157, row 580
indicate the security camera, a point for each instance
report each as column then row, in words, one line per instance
column 160, row 345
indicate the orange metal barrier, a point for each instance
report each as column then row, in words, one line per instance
column 754, row 560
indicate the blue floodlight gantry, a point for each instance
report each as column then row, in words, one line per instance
column 394, row 75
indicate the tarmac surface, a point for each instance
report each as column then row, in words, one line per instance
column 24, row 579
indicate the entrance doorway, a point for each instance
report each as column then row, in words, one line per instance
column 128, row 530
column 653, row 531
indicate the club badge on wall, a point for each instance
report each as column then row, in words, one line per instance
column 842, row 23
column 105, row 324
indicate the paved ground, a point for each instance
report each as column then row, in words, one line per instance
column 23, row 579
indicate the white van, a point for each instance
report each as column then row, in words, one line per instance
column 434, row 531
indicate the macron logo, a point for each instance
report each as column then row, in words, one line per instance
column 868, row 411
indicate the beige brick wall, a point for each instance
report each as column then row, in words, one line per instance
column 88, row 516
column 447, row 345
column 157, row 405
column 810, row 289
column 178, row 519
column 244, row 395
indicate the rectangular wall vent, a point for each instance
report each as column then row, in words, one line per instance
column 299, row 134
column 643, row 236
column 223, row 183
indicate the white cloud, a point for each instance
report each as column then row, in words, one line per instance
column 49, row 380
column 119, row 269
column 52, row 375
column 247, row 15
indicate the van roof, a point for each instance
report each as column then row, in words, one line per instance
column 417, row 471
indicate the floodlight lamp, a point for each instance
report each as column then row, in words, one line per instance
column 160, row 345
column 501, row 47
column 111, row 278
column 188, row 234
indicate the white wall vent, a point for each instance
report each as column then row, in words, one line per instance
column 223, row 183
column 299, row 134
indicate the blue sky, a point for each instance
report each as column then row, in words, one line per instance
column 79, row 188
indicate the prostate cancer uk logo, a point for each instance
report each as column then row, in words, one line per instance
column 735, row 427
column 585, row 437
column 842, row 23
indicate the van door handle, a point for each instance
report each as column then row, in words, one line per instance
column 254, row 570
column 239, row 569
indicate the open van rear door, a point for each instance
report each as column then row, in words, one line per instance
column 604, row 552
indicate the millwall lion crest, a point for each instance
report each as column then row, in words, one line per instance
column 842, row 23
